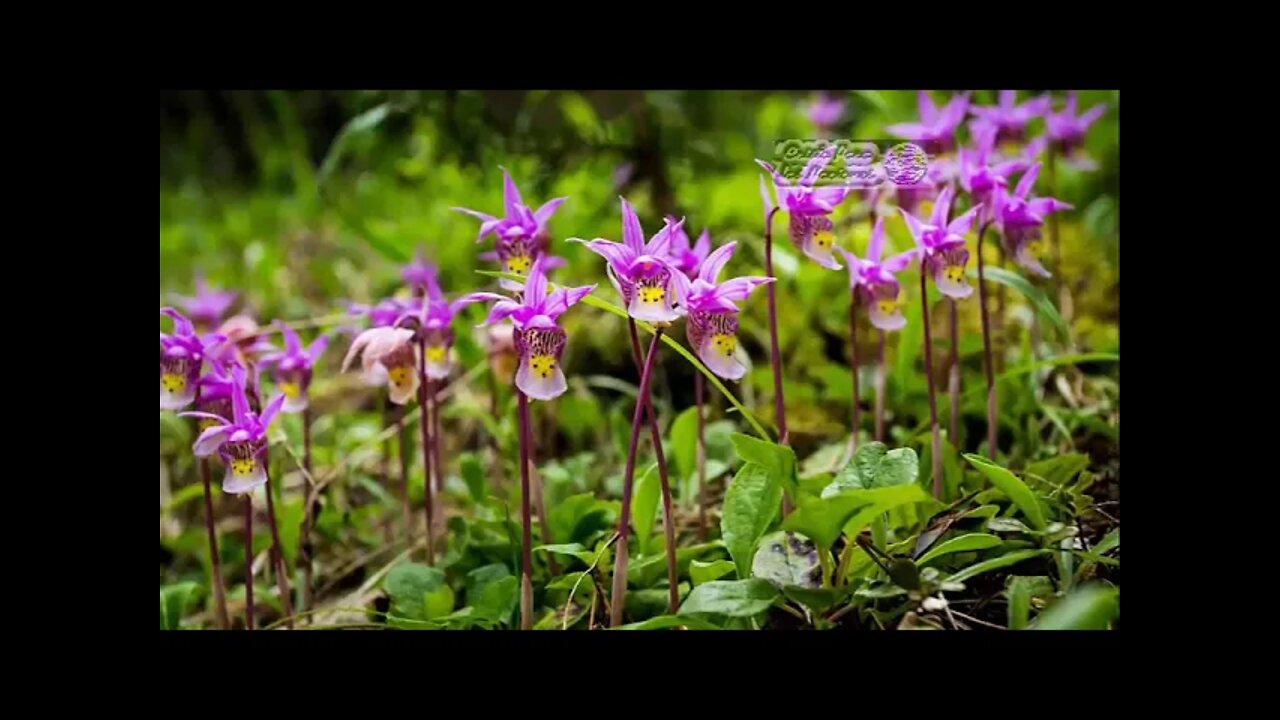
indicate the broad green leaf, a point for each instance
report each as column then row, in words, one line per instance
column 962, row 543
column 779, row 460
column 493, row 591
column 577, row 517
column 473, row 475
column 734, row 598
column 820, row 599
column 1060, row 470
column 651, row 602
column 823, row 461
column 703, row 572
column 173, row 604
column 663, row 622
column 574, row 550
column 1091, row 607
column 982, row 511
column 1012, row 558
column 651, row 569
column 684, row 442
column 644, row 506
column 874, row 466
column 752, row 501
column 1011, row 486
column 289, row 522
column 786, row 558
column 1037, row 298
column 1020, row 590
column 1009, row 525
column 885, row 500
column 418, row 592
column 823, row 519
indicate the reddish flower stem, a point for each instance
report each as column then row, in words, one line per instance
column 668, row 520
column 619, row 594
column 936, row 455
column 701, row 459
column 775, row 358
column 987, row 365
column 277, row 553
column 248, row 561
column 424, row 392
column 526, row 522
column 535, row 484
column 880, row 375
column 215, row 562
column 406, row 447
column 855, row 412
column 308, row 517
column 953, row 376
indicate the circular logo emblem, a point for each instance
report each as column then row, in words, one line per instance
column 906, row 164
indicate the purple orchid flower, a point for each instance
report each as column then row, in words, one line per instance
column 1009, row 118
column 1020, row 220
column 935, row 125
column 387, row 355
column 293, row 366
column 539, row 340
column 641, row 272
column 940, row 246
column 825, row 111
column 1067, row 130
column 434, row 316
column 208, row 306
column 521, row 233
column 682, row 257
column 383, row 314
column 981, row 175
column 240, row 441
column 713, row 316
column 417, row 272
column 810, row 208
column 875, row 280
column 181, row 355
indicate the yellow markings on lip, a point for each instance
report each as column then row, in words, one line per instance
column 206, row 423
column 652, row 295
column 173, row 382
column 1036, row 248
column 242, row 466
column 519, row 264
column 435, row 354
column 954, row 273
column 400, row 376
column 725, row 344
column 291, row 390
column 887, row 307
column 542, row 365
column 824, row 239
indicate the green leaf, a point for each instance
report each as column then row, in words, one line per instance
column 644, row 506
column 289, row 521
column 577, row 517
column 734, row 598
column 874, row 466
column 704, row 572
column 493, row 592
column 779, row 460
column 1011, row 486
column 472, row 475
column 1060, row 470
column 173, row 604
column 752, row 501
column 663, row 622
column 1009, row 525
column 1037, row 298
column 651, row 601
column 1091, row 607
column 652, row 569
column 1020, row 590
column 418, row 592
column 963, row 543
column 574, row 550
column 786, row 558
column 361, row 123
column 1109, row 542
column 1012, row 558
column 825, row 519
column 684, row 442
column 818, row 600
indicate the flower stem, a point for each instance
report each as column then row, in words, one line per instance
column 668, row 520
column 619, row 594
column 701, row 459
column 435, row 440
column 526, row 537
column 856, row 420
column 953, row 377
column 535, row 484
column 424, row 392
column 987, row 366
column 880, row 375
column 277, row 553
column 775, row 359
column 215, row 562
column 248, row 561
column 308, row 517
column 383, row 461
column 936, row 455
column 405, row 448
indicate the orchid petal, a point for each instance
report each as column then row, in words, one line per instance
column 875, row 246
column 544, row 213
column 632, row 233
column 511, row 199
column 1028, row 181
column 715, row 262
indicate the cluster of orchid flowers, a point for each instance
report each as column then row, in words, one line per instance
column 408, row 345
